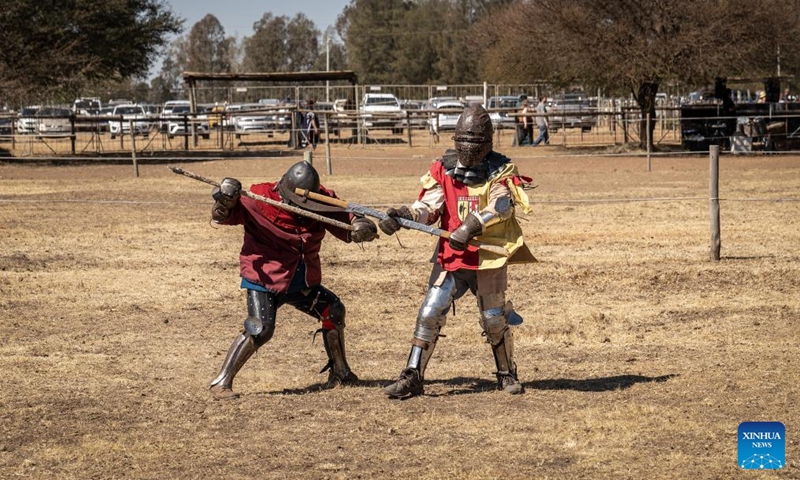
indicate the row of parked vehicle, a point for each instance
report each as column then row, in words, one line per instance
column 268, row 116
column 572, row 110
column 122, row 117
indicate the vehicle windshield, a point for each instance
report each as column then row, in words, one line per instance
column 128, row 111
column 503, row 102
column 382, row 101
column 53, row 112
column 28, row 111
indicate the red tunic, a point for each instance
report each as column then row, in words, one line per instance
column 456, row 195
column 275, row 240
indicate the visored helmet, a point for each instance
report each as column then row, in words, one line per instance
column 473, row 137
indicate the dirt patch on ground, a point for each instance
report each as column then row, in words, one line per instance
column 640, row 356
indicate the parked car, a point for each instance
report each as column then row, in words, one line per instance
column 26, row 120
column 53, row 121
column 446, row 120
column 124, row 116
column 572, row 110
column 6, row 123
column 382, row 111
column 166, row 111
column 181, row 118
column 250, row 118
column 499, row 109
column 86, row 106
column 416, row 117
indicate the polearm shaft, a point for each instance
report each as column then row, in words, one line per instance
column 259, row 198
column 371, row 212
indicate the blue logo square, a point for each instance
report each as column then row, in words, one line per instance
column 762, row 445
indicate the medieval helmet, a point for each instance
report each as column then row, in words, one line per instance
column 303, row 176
column 473, row 137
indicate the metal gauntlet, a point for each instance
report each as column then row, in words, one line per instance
column 471, row 227
column 389, row 225
column 365, row 230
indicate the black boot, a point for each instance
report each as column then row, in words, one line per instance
column 338, row 370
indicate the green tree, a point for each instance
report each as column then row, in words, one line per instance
column 369, row 29
column 636, row 45
column 265, row 50
column 423, row 41
column 209, row 50
column 281, row 44
column 56, row 48
column 302, row 43
column 176, row 58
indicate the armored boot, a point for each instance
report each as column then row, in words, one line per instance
column 338, row 370
column 242, row 348
column 506, row 368
column 411, row 378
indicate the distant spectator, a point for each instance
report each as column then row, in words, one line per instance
column 524, row 123
column 311, row 125
column 541, row 122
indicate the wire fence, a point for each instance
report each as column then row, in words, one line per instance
column 284, row 128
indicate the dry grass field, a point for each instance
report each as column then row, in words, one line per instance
column 639, row 355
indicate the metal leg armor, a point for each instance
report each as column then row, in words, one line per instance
column 495, row 326
column 431, row 319
column 338, row 370
column 242, row 348
column 261, row 308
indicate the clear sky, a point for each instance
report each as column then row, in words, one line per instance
column 238, row 16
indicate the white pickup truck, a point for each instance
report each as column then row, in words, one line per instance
column 381, row 111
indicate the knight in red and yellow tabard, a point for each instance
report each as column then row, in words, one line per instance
column 473, row 192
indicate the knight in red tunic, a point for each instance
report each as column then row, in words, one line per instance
column 473, row 192
column 279, row 265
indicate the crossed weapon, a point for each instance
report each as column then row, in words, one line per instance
column 347, row 206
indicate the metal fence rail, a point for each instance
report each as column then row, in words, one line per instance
column 283, row 130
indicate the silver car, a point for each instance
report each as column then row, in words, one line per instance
column 125, row 116
column 53, row 121
column 26, row 120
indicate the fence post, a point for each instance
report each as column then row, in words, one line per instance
column 713, row 200
column 121, row 133
column 308, row 157
column 408, row 127
column 649, row 142
column 328, row 143
column 185, row 132
column 625, row 138
column 72, row 133
column 133, row 149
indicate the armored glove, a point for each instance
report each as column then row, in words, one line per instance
column 225, row 196
column 389, row 225
column 465, row 232
column 365, row 230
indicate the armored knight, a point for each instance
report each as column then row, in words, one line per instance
column 280, row 265
column 473, row 192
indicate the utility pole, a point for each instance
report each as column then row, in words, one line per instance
column 327, row 66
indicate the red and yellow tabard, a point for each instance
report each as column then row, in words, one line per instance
column 460, row 201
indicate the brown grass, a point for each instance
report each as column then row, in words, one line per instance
column 640, row 356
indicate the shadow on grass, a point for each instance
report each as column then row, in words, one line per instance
column 322, row 386
column 469, row 385
column 603, row 384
